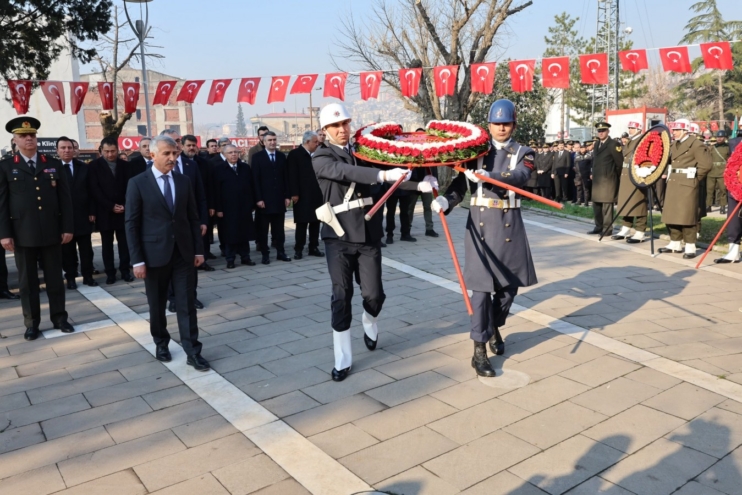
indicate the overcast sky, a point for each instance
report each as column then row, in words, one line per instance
column 250, row 38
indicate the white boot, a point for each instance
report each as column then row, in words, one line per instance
column 673, row 246
column 343, row 349
column 733, row 253
column 690, row 251
column 636, row 238
column 369, row 326
column 622, row 233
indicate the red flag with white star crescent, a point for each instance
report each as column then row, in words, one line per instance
column 105, row 90
column 521, row 75
column 483, row 77
column 78, row 90
column 335, row 85
column 189, row 91
column 555, row 72
column 675, row 59
column 370, row 84
column 162, row 94
column 54, row 93
column 218, row 90
column 594, row 68
column 409, row 81
column 131, row 96
column 717, row 55
column 279, row 85
column 633, row 60
column 248, row 90
column 304, row 84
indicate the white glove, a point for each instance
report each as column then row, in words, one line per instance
column 470, row 175
column 429, row 179
column 440, row 204
column 394, row 174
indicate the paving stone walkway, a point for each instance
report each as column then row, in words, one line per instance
column 95, row 413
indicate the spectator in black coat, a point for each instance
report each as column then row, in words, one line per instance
column 142, row 160
column 305, row 194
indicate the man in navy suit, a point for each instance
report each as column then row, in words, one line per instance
column 163, row 229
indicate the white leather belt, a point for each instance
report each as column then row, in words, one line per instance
column 683, row 170
column 494, row 203
column 351, row 205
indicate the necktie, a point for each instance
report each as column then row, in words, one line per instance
column 176, row 170
column 31, row 165
column 149, row 163
column 168, row 193
column 234, row 167
column 273, row 158
column 68, row 169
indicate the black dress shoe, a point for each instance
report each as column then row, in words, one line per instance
column 198, row 304
column 370, row 344
column 618, row 237
column 723, row 210
column 266, row 260
column 32, row 333
column 171, row 307
column 316, row 252
column 282, row 257
column 206, row 267
column 689, row 256
column 6, row 294
column 497, row 346
column 230, row 264
column 480, row 362
column 89, row 282
column 65, row 327
column 339, row 376
column 198, row 363
column 298, row 256
column 248, row 262
column 128, row 277
column 210, row 256
column 111, row 280
column 71, row 284
column 96, row 272
column 407, row 238
column 390, row 239
column 722, row 261
column 666, row 250
column 382, row 244
column 594, row 232
column 431, row 233
column 163, row 354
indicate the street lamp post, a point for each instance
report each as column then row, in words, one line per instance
column 140, row 28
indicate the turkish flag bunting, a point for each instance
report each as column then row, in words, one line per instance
column 77, row 95
column 279, row 85
column 594, row 68
column 248, row 90
column 521, row 75
column 54, row 92
column 675, row 59
column 105, row 90
column 370, row 84
column 189, row 91
column 445, row 77
column 131, row 96
column 335, row 85
column 633, row 60
column 483, row 77
column 164, row 89
column 555, row 72
column 717, row 55
column 304, row 84
column 218, row 90
column 409, row 81
column 20, row 92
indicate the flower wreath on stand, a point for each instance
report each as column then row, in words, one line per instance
column 650, row 157
column 732, row 172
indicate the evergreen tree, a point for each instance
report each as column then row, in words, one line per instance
column 241, row 130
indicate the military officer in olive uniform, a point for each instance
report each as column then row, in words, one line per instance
column 498, row 257
column 36, row 218
column 715, row 180
column 607, row 164
column 635, row 212
column 690, row 162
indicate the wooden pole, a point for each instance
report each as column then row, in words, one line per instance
column 711, row 246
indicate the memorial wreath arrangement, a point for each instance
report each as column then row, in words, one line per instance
column 732, row 177
column 650, row 156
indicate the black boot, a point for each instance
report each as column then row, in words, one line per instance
column 497, row 345
column 480, row 362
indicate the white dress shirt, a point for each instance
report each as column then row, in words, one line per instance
column 72, row 167
column 35, row 159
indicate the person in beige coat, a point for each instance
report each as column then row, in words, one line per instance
column 690, row 162
column 635, row 210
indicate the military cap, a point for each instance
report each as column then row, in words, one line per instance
column 588, row 143
column 23, row 125
column 711, row 140
column 602, row 126
column 625, row 135
column 531, row 143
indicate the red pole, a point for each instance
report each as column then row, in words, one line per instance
column 383, row 199
column 516, row 190
column 711, row 246
column 455, row 258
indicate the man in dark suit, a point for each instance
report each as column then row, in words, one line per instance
column 163, row 228
column 35, row 220
column 272, row 196
column 138, row 163
column 205, row 168
column 109, row 177
column 305, row 194
column 76, row 172
column 187, row 167
column 560, row 172
column 258, row 147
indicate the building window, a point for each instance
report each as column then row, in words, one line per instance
column 142, row 129
column 139, row 114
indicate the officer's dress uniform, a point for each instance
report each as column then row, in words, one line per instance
column 498, row 257
column 607, row 163
column 635, row 210
column 715, row 179
column 35, row 210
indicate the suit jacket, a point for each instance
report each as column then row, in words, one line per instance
column 108, row 190
column 253, row 151
column 235, row 198
column 206, row 169
column 82, row 202
column 192, row 171
column 561, row 164
column 152, row 231
column 137, row 165
column 35, row 207
column 271, row 182
column 303, row 183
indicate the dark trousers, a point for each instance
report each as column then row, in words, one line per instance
column 561, row 187
column 301, row 236
column 490, row 312
column 427, row 211
column 603, row 216
column 734, row 229
column 182, row 275
column 209, row 237
column 274, row 222
column 26, row 260
column 171, row 289
column 544, row 192
column 583, row 191
column 232, row 250
column 69, row 257
column 716, row 191
column 343, row 260
column 686, row 233
column 106, row 238
column 3, row 272
column 404, row 214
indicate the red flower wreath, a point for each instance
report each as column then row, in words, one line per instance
column 732, row 174
column 649, row 152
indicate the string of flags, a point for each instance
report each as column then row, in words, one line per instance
column 555, row 72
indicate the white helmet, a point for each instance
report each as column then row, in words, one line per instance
column 695, row 128
column 332, row 113
column 680, row 125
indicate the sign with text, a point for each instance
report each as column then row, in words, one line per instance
column 132, row 142
column 244, row 142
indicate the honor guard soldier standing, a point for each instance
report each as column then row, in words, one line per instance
column 351, row 242
column 690, row 162
column 36, row 218
column 607, row 163
column 498, row 257
column 635, row 211
column 715, row 180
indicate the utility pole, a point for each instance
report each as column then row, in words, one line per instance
column 607, row 41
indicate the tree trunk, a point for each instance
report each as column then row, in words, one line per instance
column 561, row 115
column 721, row 100
column 111, row 127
